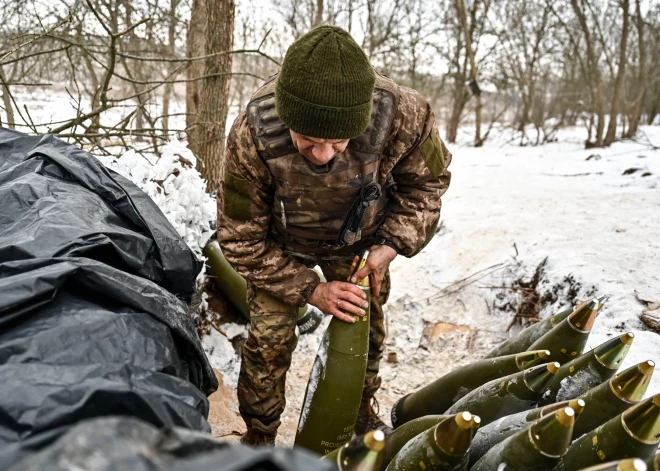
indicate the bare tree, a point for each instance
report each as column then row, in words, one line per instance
column 6, row 99
column 635, row 113
column 195, row 47
column 214, row 97
column 462, row 59
column 318, row 19
column 168, row 90
column 618, row 84
column 527, row 55
column 593, row 73
column 460, row 8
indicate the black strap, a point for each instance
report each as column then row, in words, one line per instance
column 350, row 229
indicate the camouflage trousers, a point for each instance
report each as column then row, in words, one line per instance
column 266, row 355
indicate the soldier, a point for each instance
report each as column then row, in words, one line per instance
column 329, row 158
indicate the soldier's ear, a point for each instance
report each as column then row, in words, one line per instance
column 237, row 202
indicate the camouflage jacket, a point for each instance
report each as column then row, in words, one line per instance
column 401, row 146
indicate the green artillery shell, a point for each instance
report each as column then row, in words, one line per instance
column 567, row 340
column 230, row 283
column 437, row 397
column 524, row 339
column 631, row 464
column 234, row 287
column 611, row 398
column 508, row 395
column 588, row 370
column 365, row 453
column 537, row 447
column 334, row 390
column 633, row 434
column 443, row 447
column 492, row 434
column 406, row 432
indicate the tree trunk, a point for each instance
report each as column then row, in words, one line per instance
column 195, row 47
column 636, row 112
column 214, row 98
column 6, row 100
column 594, row 77
column 94, row 95
column 167, row 93
column 171, row 49
column 460, row 7
column 458, row 104
column 318, row 19
column 618, row 84
column 600, row 115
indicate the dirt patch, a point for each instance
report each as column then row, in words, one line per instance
column 217, row 311
column 534, row 293
column 224, row 418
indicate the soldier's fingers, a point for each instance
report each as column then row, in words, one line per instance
column 351, row 288
column 342, row 316
column 354, row 265
column 356, row 300
column 376, row 282
column 361, row 273
column 350, row 307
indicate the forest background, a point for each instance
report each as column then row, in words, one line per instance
column 113, row 75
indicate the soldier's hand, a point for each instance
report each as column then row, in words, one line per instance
column 380, row 257
column 337, row 296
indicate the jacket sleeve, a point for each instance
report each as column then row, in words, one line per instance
column 244, row 213
column 417, row 159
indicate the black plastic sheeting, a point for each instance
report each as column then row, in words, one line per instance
column 122, row 444
column 98, row 352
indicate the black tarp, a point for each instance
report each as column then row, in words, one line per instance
column 93, row 288
column 128, row 444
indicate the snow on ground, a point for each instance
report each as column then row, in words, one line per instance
column 220, row 351
column 508, row 208
column 593, row 216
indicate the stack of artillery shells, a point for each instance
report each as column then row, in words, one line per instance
column 541, row 403
column 439, row 396
column 635, row 433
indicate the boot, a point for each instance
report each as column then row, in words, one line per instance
column 259, row 434
column 368, row 418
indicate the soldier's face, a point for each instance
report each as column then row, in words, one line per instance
column 318, row 151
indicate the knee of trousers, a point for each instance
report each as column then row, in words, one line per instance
column 266, row 354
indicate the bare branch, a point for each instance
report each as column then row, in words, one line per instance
column 36, row 38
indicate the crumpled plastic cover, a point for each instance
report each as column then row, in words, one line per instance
column 125, row 443
column 94, row 284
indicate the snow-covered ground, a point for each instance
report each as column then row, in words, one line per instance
column 508, row 208
column 596, row 226
column 595, row 215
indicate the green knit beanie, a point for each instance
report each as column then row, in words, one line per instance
column 326, row 84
